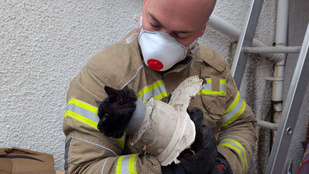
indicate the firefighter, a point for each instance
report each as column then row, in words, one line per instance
column 152, row 61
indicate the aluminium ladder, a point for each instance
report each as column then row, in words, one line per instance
column 297, row 89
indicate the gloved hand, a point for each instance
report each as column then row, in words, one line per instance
column 116, row 111
column 201, row 157
column 222, row 166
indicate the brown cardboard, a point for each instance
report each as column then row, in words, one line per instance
column 21, row 161
column 60, row 172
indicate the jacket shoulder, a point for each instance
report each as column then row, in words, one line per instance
column 117, row 63
column 212, row 58
column 114, row 65
column 120, row 51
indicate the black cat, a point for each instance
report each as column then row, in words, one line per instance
column 116, row 111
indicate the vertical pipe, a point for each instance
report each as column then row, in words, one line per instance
column 233, row 32
column 281, row 40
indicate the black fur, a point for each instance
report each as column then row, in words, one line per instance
column 116, row 111
column 197, row 117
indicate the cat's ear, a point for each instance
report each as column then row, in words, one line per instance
column 112, row 93
column 109, row 90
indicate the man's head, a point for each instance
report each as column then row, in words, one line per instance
column 170, row 29
column 182, row 19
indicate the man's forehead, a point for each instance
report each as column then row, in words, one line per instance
column 158, row 22
column 193, row 10
column 185, row 5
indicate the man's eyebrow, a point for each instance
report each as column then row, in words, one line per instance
column 175, row 31
column 154, row 18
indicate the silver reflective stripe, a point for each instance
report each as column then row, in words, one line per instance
column 122, row 140
column 155, row 92
column 222, row 87
column 208, row 87
column 238, row 148
column 81, row 111
column 238, row 137
column 145, row 97
column 234, row 111
column 125, row 164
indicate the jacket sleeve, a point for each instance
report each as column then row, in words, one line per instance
column 237, row 137
column 87, row 150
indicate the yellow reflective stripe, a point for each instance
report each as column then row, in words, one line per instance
column 81, row 119
column 132, row 164
column 150, row 88
column 234, row 110
column 207, row 89
column 86, row 114
column 156, row 90
column 208, row 80
column 234, row 103
column 240, row 111
column 237, row 150
column 161, row 95
column 122, row 140
column 118, row 168
column 83, row 105
column 211, row 92
column 126, row 164
column 230, row 143
column 222, row 82
column 82, row 112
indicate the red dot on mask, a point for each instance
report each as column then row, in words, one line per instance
column 155, row 64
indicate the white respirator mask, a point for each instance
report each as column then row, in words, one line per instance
column 161, row 51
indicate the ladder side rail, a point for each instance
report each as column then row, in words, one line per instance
column 290, row 113
column 245, row 40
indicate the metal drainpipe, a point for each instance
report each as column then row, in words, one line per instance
column 281, row 41
column 233, row 32
column 279, row 58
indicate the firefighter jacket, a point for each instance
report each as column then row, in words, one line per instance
column 120, row 65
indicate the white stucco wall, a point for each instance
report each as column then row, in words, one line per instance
column 44, row 44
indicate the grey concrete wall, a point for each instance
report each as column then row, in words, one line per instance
column 44, row 44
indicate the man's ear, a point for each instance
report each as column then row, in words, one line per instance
column 203, row 30
column 144, row 2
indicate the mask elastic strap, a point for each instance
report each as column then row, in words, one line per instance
column 137, row 18
column 196, row 48
column 131, row 38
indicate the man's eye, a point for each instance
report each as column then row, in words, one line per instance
column 180, row 36
column 154, row 25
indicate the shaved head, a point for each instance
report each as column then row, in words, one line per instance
column 185, row 17
column 199, row 9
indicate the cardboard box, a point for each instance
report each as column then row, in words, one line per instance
column 60, row 172
column 22, row 161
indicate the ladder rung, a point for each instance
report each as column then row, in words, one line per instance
column 274, row 78
column 245, row 40
column 268, row 125
column 281, row 49
column 290, row 112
